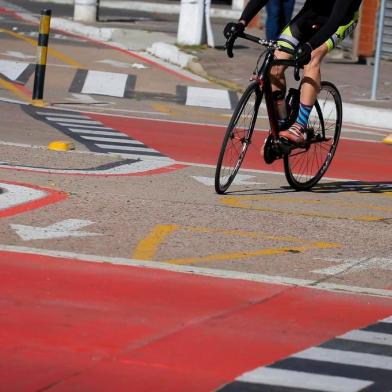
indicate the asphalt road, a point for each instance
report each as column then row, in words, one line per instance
column 137, row 191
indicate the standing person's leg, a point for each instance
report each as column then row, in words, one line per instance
column 272, row 23
column 288, row 8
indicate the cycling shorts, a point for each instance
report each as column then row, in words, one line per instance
column 307, row 23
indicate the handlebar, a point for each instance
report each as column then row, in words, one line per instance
column 269, row 45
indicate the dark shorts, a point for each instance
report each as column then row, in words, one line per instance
column 307, row 23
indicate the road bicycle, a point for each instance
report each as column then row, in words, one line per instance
column 303, row 166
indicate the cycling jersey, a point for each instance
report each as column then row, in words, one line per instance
column 330, row 15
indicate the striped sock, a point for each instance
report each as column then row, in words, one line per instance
column 303, row 114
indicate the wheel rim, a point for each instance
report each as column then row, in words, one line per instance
column 238, row 140
column 308, row 166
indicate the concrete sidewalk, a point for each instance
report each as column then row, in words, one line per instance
column 156, row 33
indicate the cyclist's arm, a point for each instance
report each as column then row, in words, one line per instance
column 335, row 20
column 251, row 10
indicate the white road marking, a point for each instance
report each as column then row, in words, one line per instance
column 352, row 265
column 295, row 379
column 125, row 148
column 74, row 121
column 95, row 132
column 109, row 139
column 387, row 320
column 63, row 115
column 13, row 195
column 208, row 97
column 125, row 169
column 368, row 337
column 65, row 228
column 120, row 64
column 85, row 126
column 217, row 273
column 105, row 83
column 346, row 357
column 240, row 179
column 86, row 99
column 12, row 69
column 18, row 55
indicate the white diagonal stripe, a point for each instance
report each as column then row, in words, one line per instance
column 111, row 139
column 73, row 120
column 346, row 357
column 125, row 148
column 84, row 126
column 368, row 337
column 294, row 379
column 387, row 320
column 105, row 83
column 94, row 132
column 63, row 115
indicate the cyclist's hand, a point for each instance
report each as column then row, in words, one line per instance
column 233, row 29
column 303, row 54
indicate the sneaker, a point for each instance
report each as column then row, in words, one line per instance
column 295, row 134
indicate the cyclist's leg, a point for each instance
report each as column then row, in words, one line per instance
column 311, row 83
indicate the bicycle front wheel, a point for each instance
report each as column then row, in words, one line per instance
column 305, row 167
column 237, row 138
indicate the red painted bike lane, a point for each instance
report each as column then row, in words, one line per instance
column 198, row 143
column 76, row 325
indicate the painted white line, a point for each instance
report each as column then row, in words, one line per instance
column 72, row 120
column 12, row 69
column 105, row 83
column 368, row 337
column 12, row 195
column 86, row 126
column 387, row 320
column 110, row 139
column 295, row 379
column 2, row 99
column 346, row 357
column 105, row 109
column 93, row 132
column 125, row 169
column 125, row 148
column 217, row 273
column 63, row 115
column 208, row 97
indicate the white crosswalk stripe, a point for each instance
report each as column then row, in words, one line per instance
column 96, row 132
column 95, row 136
column 295, row 379
column 369, row 337
column 347, row 357
column 352, row 362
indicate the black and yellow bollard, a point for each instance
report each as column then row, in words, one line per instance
column 42, row 54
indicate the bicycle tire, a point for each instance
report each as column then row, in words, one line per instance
column 304, row 168
column 230, row 159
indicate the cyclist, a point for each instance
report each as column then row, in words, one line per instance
column 318, row 28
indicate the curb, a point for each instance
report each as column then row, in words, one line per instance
column 367, row 116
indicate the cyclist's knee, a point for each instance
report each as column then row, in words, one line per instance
column 317, row 58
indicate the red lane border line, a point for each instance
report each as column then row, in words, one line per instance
column 102, row 43
column 53, row 196
column 162, row 170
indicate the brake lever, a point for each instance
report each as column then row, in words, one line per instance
column 297, row 77
column 229, row 46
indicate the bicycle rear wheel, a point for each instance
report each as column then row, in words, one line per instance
column 237, row 138
column 305, row 167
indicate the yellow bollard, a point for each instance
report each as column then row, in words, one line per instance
column 42, row 54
